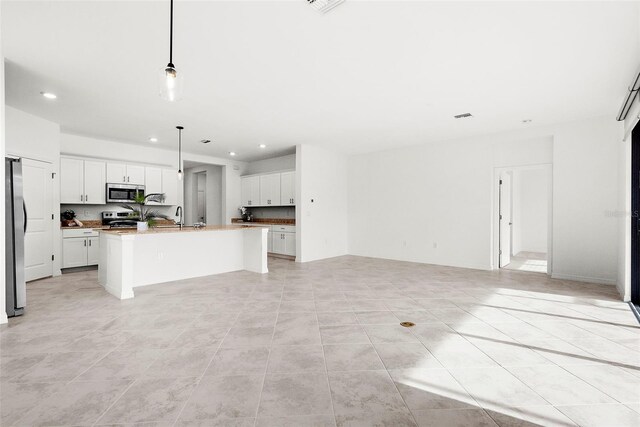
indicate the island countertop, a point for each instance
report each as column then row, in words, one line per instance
column 176, row 229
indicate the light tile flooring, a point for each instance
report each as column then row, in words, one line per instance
column 528, row 261
column 320, row 344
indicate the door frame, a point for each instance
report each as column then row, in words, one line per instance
column 635, row 216
column 495, row 212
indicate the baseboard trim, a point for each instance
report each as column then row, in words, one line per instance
column 586, row 279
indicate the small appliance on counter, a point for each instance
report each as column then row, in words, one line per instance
column 68, row 219
column 119, row 219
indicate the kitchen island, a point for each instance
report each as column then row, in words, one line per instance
column 129, row 258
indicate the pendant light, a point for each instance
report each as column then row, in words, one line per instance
column 179, row 151
column 170, row 79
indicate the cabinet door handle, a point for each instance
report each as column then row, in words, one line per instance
column 89, row 242
column 85, row 242
column 81, row 198
column 124, row 179
column 86, row 198
column 127, row 179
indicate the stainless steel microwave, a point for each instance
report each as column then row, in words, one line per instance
column 123, row 193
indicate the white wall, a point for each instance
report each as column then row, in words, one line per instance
column 213, row 185
column 3, row 313
column 433, row 203
column 271, row 165
column 35, row 138
column 530, row 210
column 321, row 211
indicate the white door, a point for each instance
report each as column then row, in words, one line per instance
column 290, row 244
column 71, row 180
column 170, row 186
column 270, row 190
column 288, row 188
column 152, row 181
column 135, row 174
column 245, row 191
column 93, row 250
column 95, row 188
column 279, row 243
column 116, row 173
column 74, row 252
column 38, row 200
column 505, row 219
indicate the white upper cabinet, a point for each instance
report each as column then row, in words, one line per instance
column 94, row 182
column 152, row 181
column 82, row 181
column 71, row 180
column 116, row 173
column 122, row 173
column 250, row 189
column 270, row 189
column 170, row 186
column 288, row 188
column 135, row 174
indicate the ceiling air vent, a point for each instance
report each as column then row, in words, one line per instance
column 324, row 6
column 462, row 116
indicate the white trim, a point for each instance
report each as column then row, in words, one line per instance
column 586, row 279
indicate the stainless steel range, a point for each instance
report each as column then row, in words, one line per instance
column 119, row 219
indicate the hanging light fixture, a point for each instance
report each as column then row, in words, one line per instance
column 179, row 151
column 170, row 79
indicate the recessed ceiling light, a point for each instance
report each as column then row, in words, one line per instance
column 153, row 139
column 49, row 95
column 526, row 121
column 205, row 141
column 262, row 146
column 232, row 153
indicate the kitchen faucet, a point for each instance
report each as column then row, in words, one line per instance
column 179, row 212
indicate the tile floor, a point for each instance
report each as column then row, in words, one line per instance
column 320, row 344
column 528, row 261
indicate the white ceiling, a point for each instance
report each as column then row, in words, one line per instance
column 366, row 76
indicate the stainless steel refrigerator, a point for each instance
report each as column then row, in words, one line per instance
column 15, row 227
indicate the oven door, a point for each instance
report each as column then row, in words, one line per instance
column 122, row 193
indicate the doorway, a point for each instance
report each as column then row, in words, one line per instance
column 201, row 197
column 523, row 218
column 635, row 218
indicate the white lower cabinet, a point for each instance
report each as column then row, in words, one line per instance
column 283, row 240
column 93, row 250
column 80, row 248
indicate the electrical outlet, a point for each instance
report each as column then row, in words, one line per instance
column 86, row 213
column 435, row 245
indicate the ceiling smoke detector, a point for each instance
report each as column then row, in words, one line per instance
column 324, row 6
column 462, row 116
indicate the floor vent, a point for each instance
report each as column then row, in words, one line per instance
column 324, row 6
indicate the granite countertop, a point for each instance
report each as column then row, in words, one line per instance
column 97, row 224
column 266, row 221
column 176, row 229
